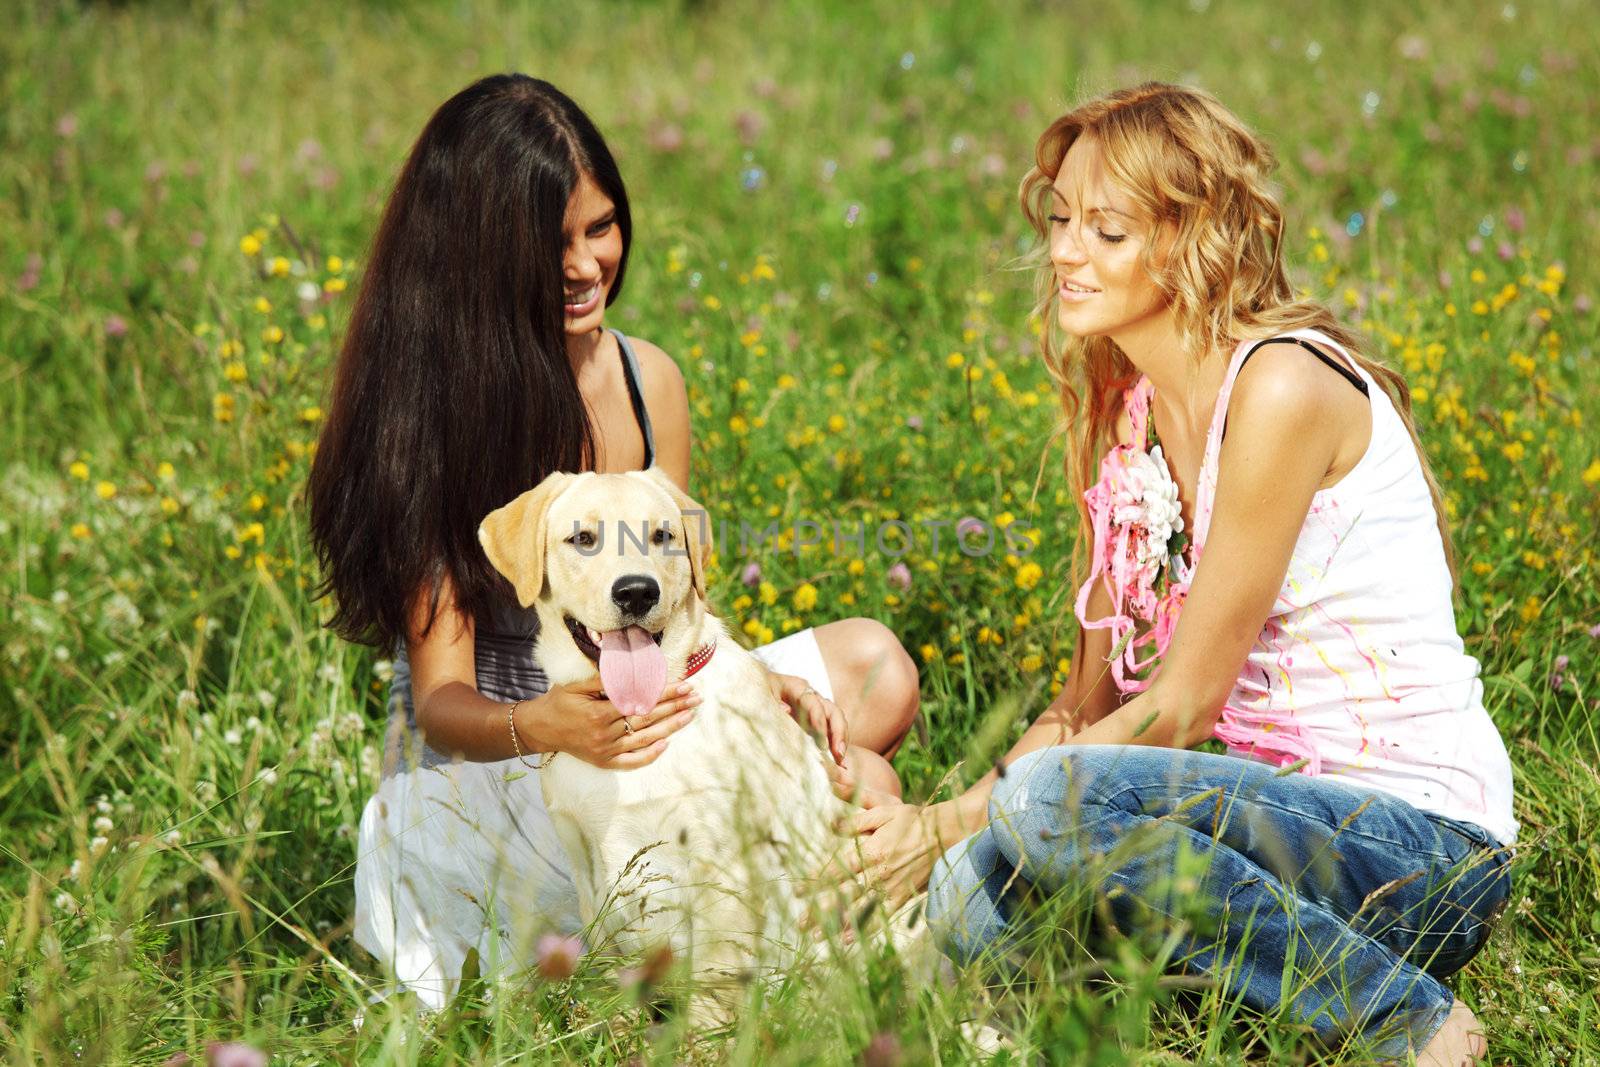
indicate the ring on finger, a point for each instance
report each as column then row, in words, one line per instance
column 626, row 725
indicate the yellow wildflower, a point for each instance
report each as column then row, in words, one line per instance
column 805, row 597
column 333, row 285
column 272, row 334
column 105, row 490
column 79, row 470
column 279, row 267
column 1028, row 575
column 80, row 530
column 334, row 264
column 250, row 244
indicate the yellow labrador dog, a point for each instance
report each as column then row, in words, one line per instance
column 703, row 849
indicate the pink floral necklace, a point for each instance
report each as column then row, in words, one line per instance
column 1142, row 554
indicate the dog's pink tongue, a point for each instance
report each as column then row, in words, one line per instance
column 632, row 669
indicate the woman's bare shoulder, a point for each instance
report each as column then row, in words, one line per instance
column 659, row 368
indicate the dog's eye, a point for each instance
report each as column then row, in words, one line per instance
column 583, row 539
column 661, row 536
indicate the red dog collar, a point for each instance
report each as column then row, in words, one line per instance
column 698, row 658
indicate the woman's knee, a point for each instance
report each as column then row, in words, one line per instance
column 874, row 678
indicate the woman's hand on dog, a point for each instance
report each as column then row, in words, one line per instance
column 578, row 719
column 823, row 716
column 894, row 852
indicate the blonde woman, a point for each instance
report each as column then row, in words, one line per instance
column 1269, row 566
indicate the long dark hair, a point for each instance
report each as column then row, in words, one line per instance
column 453, row 392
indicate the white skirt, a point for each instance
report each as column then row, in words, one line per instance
column 463, row 856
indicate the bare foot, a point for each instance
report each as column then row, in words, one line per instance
column 1459, row 1042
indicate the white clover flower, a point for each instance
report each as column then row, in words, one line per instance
column 64, row 901
column 171, row 838
column 103, row 824
column 60, row 597
column 97, row 845
column 383, row 670
column 187, row 700
column 233, row 736
column 268, row 776
column 122, row 613
column 266, row 699
column 330, row 673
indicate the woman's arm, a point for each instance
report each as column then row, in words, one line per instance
column 667, row 399
column 1089, row 695
column 452, row 715
column 1280, row 447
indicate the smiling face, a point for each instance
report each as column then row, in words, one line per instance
column 592, row 256
column 1097, row 238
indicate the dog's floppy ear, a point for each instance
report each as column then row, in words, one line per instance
column 696, row 528
column 513, row 537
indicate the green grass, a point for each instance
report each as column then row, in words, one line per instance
column 164, row 667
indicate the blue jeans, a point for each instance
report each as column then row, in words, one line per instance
column 1343, row 906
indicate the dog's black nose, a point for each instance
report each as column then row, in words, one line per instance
column 635, row 594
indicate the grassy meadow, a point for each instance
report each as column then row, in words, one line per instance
column 827, row 240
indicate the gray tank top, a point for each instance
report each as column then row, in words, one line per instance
column 503, row 644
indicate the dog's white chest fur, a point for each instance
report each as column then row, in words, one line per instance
column 701, row 849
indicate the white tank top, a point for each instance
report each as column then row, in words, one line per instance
column 1360, row 654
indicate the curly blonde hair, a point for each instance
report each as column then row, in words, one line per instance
column 1184, row 159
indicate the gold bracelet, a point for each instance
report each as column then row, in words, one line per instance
column 516, row 743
